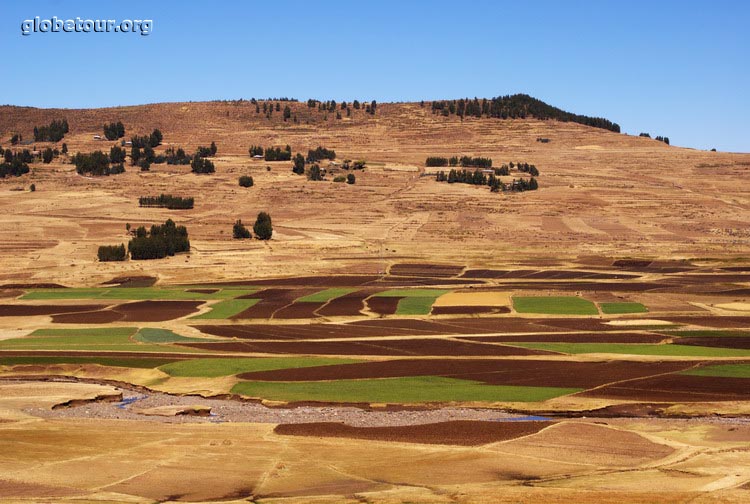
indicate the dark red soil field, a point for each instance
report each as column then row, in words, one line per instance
column 542, row 373
column 673, row 388
column 581, row 324
column 139, row 311
column 156, row 311
column 35, row 310
column 586, row 286
column 10, row 293
column 577, row 338
column 271, row 300
column 383, row 305
column 311, row 281
column 468, row 310
column 396, row 348
column 461, row 433
column 546, row 274
column 719, row 342
column 425, row 270
column 349, row 305
column 298, row 311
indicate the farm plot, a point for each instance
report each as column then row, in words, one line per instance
column 673, row 350
column 677, row 388
column 722, row 370
column 554, row 305
column 411, row 301
column 138, row 311
column 25, row 310
column 425, row 270
column 347, row 305
column 423, row 389
column 227, row 309
column 604, row 337
column 211, row 368
column 104, row 339
column 622, row 308
column 44, row 360
column 134, row 294
column 460, row 433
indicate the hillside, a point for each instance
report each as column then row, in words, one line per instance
column 602, row 195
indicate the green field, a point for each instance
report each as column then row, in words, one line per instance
column 226, row 367
column 148, row 335
column 326, row 295
column 722, row 370
column 618, row 308
column 710, row 333
column 144, row 363
column 227, row 308
column 554, row 305
column 415, row 302
column 100, row 339
column 397, row 390
column 636, row 349
column 133, row 294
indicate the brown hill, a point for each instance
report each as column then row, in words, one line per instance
column 602, row 194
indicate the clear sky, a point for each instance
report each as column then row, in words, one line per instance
column 674, row 68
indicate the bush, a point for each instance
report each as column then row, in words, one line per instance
column 112, row 253
column 240, row 232
column 315, row 173
column 246, row 181
column 32, row 187
column 339, row 178
column 47, row 155
column 263, row 228
column 350, row 178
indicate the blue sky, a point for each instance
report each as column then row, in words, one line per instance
column 674, row 68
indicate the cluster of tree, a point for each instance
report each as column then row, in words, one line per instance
column 246, row 181
column 207, row 151
column 113, row 131
column 117, row 154
column 176, row 157
column 527, row 168
column 152, row 140
column 52, row 133
column 464, row 161
column 645, row 135
column 262, row 228
column 298, row 165
column 96, row 163
column 313, row 156
column 159, row 242
column 477, row 177
column 47, row 155
column 167, row 201
column 255, row 150
column 315, row 173
column 356, row 165
column 518, row 106
column 13, row 165
column 662, row 139
column 202, row 165
column 349, row 178
column 112, row 253
column 144, row 158
column 16, row 139
column 278, row 154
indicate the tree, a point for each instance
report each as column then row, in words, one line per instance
column 299, row 164
column 263, row 228
column 350, row 178
column 246, row 181
column 47, row 155
column 64, row 148
column 213, row 149
column 117, row 154
column 287, row 112
column 315, row 173
column 239, row 231
column 202, row 165
column 32, row 188
column 155, row 138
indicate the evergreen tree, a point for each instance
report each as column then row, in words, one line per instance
column 239, row 231
column 263, row 228
column 47, row 155
column 350, row 178
column 299, row 164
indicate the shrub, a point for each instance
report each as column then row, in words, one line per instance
column 32, row 187
column 202, row 165
column 339, row 178
column 112, row 253
column 240, row 232
column 263, row 228
column 315, row 173
column 246, row 181
column 350, row 178
column 47, row 155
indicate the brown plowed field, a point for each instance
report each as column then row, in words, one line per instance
column 539, row 373
column 546, row 274
column 461, row 433
column 674, row 388
column 719, row 341
column 397, row 348
column 298, row 311
column 348, row 305
column 383, row 305
column 717, row 322
column 34, row 310
column 577, row 338
column 139, row 311
column 271, row 300
column 425, row 270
